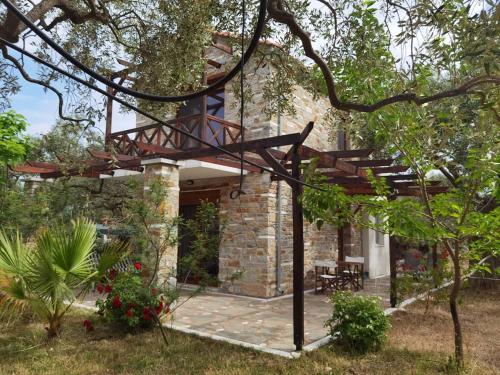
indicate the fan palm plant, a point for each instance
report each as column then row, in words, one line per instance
column 46, row 277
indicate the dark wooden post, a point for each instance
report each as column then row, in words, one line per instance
column 393, row 247
column 393, row 243
column 435, row 265
column 109, row 113
column 203, row 124
column 298, row 255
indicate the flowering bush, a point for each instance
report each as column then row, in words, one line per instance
column 358, row 323
column 132, row 304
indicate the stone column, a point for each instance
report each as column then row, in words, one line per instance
column 32, row 183
column 166, row 171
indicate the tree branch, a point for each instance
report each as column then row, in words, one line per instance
column 28, row 78
column 12, row 27
column 278, row 13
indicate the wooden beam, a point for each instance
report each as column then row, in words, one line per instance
column 42, row 164
column 372, row 163
column 391, row 169
column 357, row 180
column 273, row 163
column 357, row 153
column 375, row 171
column 331, row 162
column 229, row 163
column 223, row 48
column 109, row 156
column 214, row 63
column 249, row 158
column 23, row 168
column 252, row 146
column 303, row 136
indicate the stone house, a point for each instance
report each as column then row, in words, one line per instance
column 257, row 241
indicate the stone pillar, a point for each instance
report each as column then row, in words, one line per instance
column 31, row 184
column 167, row 171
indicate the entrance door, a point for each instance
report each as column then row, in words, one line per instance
column 189, row 204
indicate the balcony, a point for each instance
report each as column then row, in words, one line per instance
column 212, row 129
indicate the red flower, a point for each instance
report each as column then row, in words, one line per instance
column 108, row 288
column 88, row 325
column 112, row 274
column 417, row 256
column 116, row 302
column 146, row 313
column 159, row 308
column 100, row 288
column 154, row 291
column 129, row 313
column 138, row 266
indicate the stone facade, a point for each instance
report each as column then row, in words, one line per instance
column 255, row 256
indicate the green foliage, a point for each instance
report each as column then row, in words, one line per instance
column 61, row 200
column 144, row 217
column 45, row 278
column 67, row 145
column 358, row 323
column 133, row 304
column 13, row 146
column 205, row 231
column 374, row 49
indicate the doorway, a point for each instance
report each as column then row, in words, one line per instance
column 189, row 204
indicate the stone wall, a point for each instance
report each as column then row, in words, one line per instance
column 318, row 245
column 248, row 252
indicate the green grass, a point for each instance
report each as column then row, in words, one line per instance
column 24, row 350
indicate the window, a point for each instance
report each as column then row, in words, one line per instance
column 189, row 118
column 379, row 236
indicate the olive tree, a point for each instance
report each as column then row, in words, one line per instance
column 164, row 44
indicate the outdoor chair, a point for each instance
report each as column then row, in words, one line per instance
column 351, row 271
column 325, row 275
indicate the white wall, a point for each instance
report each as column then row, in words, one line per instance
column 376, row 256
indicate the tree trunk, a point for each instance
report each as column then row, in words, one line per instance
column 53, row 328
column 459, row 351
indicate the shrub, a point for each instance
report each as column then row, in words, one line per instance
column 131, row 303
column 45, row 278
column 358, row 323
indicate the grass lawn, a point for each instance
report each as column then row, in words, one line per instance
column 417, row 344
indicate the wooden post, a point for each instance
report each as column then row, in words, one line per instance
column 203, row 124
column 393, row 247
column 298, row 255
column 109, row 113
column 435, row 265
column 393, row 270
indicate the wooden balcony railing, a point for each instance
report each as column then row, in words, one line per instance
column 213, row 130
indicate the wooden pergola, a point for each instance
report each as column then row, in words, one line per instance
column 346, row 168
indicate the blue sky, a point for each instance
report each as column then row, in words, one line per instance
column 40, row 107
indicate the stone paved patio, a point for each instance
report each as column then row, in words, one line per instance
column 262, row 323
column 265, row 323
